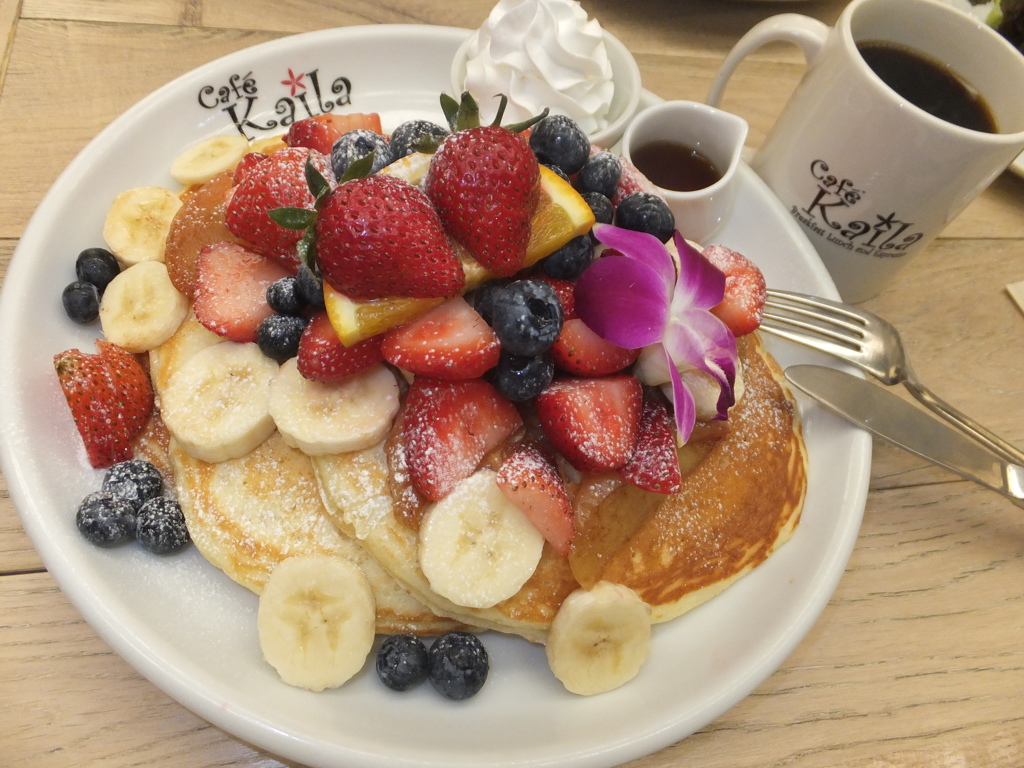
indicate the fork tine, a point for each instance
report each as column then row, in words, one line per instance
column 794, row 301
column 825, row 321
column 835, row 327
column 839, row 345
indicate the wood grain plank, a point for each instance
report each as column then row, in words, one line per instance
column 100, row 71
column 17, row 554
column 115, row 11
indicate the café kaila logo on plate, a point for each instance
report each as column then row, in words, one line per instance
column 829, row 214
column 296, row 96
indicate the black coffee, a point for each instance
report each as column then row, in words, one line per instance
column 928, row 84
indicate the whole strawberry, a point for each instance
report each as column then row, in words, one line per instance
column 379, row 237
column 278, row 182
column 110, row 398
column 485, row 183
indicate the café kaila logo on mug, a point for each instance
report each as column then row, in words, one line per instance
column 829, row 214
column 908, row 109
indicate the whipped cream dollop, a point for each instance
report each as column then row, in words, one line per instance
column 541, row 53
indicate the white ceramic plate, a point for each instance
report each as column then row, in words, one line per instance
column 1017, row 166
column 192, row 631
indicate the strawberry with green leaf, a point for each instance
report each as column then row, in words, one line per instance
column 280, row 181
column 373, row 237
column 485, row 183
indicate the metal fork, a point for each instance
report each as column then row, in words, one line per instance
column 873, row 345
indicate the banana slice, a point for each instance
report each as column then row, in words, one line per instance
column 321, row 419
column 217, row 406
column 141, row 308
column 203, row 161
column 599, row 638
column 268, row 145
column 476, row 547
column 411, row 168
column 137, row 223
column 316, row 621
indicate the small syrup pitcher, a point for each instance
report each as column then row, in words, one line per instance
column 691, row 152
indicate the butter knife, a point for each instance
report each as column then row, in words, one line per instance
column 884, row 414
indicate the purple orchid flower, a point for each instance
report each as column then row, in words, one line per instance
column 633, row 297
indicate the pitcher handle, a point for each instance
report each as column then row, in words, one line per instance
column 809, row 34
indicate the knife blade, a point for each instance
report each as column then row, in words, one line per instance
column 884, row 414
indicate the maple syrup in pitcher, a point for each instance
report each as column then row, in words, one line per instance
column 675, row 166
column 928, row 84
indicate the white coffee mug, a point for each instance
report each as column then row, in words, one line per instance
column 871, row 177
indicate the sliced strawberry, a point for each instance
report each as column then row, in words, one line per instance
column 631, row 180
column 110, row 398
column 132, row 385
column 450, row 341
column 743, row 305
column 379, row 237
column 449, row 427
column 566, row 292
column 313, row 133
column 249, row 161
column 231, row 290
column 580, row 351
column 278, row 182
column 322, row 356
column 592, row 422
column 531, row 481
column 199, row 222
column 485, row 182
column 654, row 465
column 321, row 131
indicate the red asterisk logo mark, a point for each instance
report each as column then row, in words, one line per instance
column 294, row 81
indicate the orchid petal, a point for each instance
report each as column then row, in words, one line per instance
column 642, row 247
column 699, row 280
column 624, row 301
column 700, row 340
column 683, row 404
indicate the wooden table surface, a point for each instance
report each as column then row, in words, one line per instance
column 918, row 660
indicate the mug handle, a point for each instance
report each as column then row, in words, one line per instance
column 804, row 31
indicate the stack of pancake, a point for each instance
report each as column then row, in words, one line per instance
column 743, row 490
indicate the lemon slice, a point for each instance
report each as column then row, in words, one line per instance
column 561, row 215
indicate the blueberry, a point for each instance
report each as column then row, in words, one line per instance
column 135, row 480
column 602, row 207
column 646, row 212
column 81, row 302
column 284, row 297
column 408, row 134
column 569, row 261
column 97, row 266
column 356, row 144
column 600, row 174
column 402, row 662
column 527, row 317
column 558, row 172
column 558, row 140
column 311, row 289
column 483, row 299
column 161, row 526
column 521, row 378
column 458, row 665
column 106, row 519
column 278, row 336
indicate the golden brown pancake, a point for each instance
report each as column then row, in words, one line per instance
column 740, row 502
column 246, row 515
